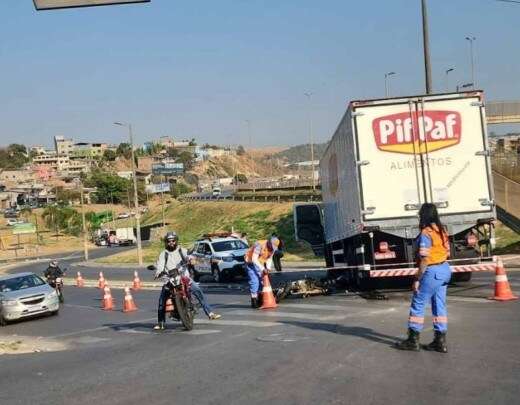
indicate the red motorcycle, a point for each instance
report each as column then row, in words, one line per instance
column 179, row 292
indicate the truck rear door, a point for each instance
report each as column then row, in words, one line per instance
column 389, row 163
column 455, row 154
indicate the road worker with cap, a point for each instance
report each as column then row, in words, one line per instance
column 259, row 259
column 431, row 283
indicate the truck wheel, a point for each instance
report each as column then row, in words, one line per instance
column 219, row 276
column 461, row 277
column 329, row 262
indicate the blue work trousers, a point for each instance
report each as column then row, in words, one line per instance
column 255, row 279
column 196, row 291
column 432, row 288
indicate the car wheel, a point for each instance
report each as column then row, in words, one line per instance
column 216, row 274
column 54, row 313
column 3, row 322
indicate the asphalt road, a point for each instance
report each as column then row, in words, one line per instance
column 321, row 350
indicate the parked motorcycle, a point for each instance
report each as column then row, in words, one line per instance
column 179, row 293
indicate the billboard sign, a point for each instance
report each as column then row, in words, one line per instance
column 158, row 188
column 168, row 169
column 54, row 4
column 20, row 229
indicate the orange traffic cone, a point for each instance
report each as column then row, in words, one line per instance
column 101, row 281
column 502, row 289
column 137, row 282
column 169, row 305
column 268, row 301
column 108, row 302
column 128, row 302
column 79, row 281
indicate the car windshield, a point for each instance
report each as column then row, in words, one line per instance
column 20, row 283
column 229, row 245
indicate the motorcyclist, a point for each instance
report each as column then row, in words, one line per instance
column 53, row 272
column 175, row 257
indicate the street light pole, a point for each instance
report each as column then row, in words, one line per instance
column 472, row 56
column 447, row 78
column 309, row 95
column 136, row 200
column 386, row 83
column 426, row 48
column 84, row 225
column 248, row 122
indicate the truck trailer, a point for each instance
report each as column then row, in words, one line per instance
column 386, row 158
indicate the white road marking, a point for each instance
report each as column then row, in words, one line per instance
column 229, row 322
column 81, row 306
column 317, row 306
column 100, row 328
column 310, row 316
column 477, row 300
column 170, row 331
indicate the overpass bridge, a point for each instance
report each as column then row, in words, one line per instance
column 503, row 112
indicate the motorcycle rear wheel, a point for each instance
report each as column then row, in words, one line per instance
column 185, row 311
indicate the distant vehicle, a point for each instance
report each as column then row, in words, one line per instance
column 216, row 192
column 125, row 236
column 123, row 215
column 223, row 258
column 14, row 221
column 24, row 295
column 10, row 213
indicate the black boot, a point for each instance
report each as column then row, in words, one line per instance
column 438, row 344
column 254, row 303
column 412, row 343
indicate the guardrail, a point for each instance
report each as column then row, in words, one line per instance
column 278, row 185
column 507, row 198
column 257, row 198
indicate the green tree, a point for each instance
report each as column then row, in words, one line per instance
column 65, row 219
column 13, row 157
column 240, row 178
column 186, row 158
column 109, row 155
column 124, row 149
column 240, row 150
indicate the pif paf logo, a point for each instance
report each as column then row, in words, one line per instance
column 417, row 133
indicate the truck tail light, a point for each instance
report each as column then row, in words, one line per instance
column 383, row 247
column 471, row 239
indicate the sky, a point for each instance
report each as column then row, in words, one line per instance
column 202, row 69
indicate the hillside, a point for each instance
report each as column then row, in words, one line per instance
column 300, row 153
column 255, row 165
column 193, row 219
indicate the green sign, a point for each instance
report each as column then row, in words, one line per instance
column 19, row 229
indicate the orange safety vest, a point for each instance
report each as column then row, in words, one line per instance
column 440, row 249
column 264, row 255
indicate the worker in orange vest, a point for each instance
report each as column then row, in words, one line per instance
column 259, row 260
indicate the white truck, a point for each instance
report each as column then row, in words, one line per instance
column 386, row 158
column 125, row 236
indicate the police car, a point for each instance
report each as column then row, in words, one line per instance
column 220, row 257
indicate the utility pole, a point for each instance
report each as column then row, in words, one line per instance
column 84, row 225
column 471, row 39
column 248, row 122
column 387, row 92
column 426, row 46
column 447, row 79
column 308, row 95
column 136, row 200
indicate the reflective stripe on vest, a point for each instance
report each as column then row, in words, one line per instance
column 264, row 254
